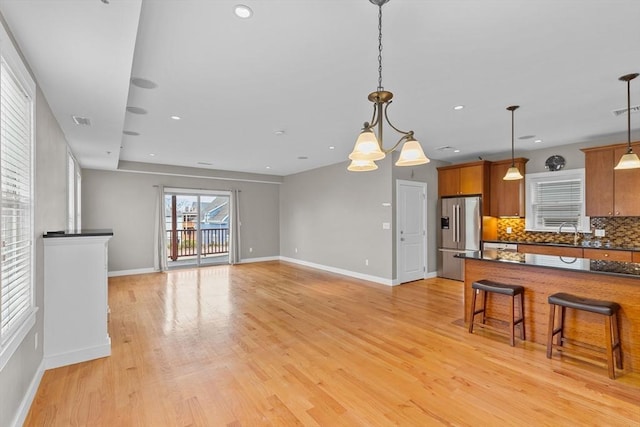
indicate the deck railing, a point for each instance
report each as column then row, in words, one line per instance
column 182, row 243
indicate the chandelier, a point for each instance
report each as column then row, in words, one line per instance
column 369, row 147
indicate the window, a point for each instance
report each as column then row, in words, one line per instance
column 17, row 308
column 554, row 198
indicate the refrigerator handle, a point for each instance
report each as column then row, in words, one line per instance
column 458, row 223
column 454, row 223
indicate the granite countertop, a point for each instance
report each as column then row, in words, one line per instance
column 566, row 245
column 78, row 233
column 558, row 262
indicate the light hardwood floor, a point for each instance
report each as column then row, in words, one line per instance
column 277, row 344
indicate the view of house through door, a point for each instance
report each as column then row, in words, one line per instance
column 197, row 227
column 411, row 230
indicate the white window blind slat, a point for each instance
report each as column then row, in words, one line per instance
column 16, row 233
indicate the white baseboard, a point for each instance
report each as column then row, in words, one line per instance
column 28, row 397
column 431, row 275
column 263, row 259
column 77, row 356
column 349, row 273
column 131, row 272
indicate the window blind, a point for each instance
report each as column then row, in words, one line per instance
column 555, row 202
column 16, row 297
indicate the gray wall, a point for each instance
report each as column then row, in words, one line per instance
column 50, row 199
column 125, row 202
column 334, row 218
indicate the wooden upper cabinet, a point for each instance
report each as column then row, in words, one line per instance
column 448, row 182
column 507, row 197
column 610, row 192
column 466, row 179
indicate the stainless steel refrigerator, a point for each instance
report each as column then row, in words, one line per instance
column 460, row 231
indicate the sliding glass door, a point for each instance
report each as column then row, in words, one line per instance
column 197, row 227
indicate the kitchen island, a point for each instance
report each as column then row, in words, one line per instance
column 543, row 275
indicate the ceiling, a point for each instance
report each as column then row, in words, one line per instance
column 271, row 94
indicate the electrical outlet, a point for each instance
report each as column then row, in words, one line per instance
column 250, row 250
column 36, row 341
column 509, row 230
column 296, row 250
column 366, row 262
column 599, row 232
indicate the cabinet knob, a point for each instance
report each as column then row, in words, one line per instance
column 606, row 255
column 618, row 213
column 609, row 213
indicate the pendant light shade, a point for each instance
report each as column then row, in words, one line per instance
column 513, row 173
column 369, row 146
column 629, row 160
column 362, row 166
column 412, row 154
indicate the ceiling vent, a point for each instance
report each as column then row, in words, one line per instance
column 445, row 148
column 81, row 121
column 621, row 111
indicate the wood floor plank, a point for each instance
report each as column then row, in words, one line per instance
column 275, row 344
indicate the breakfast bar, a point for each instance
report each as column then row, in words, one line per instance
column 544, row 275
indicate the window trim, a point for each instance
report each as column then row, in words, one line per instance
column 563, row 175
column 10, row 343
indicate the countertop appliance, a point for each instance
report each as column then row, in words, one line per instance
column 460, row 231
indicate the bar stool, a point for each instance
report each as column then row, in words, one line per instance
column 489, row 286
column 608, row 309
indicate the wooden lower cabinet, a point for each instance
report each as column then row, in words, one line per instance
column 569, row 251
column 608, row 255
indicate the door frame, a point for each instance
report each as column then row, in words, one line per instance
column 178, row 191
column 399, row 211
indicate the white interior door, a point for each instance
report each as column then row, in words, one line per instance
column 411, row 230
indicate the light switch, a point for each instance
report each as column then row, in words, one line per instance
column 386, row 226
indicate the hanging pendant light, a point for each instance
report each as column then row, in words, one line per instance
column 629, row 160
column 513, row 173
column 369, row 147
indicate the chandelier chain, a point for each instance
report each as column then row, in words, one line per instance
column 380, row 88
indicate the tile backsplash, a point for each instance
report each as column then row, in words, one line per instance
column 621, row 231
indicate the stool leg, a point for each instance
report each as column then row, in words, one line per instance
column 550, row 328
column 512, row 325
column 609, row 343
column 616, row 340
column 484, row 306
column 522, row 333
column 473, row 310
column 561, row 326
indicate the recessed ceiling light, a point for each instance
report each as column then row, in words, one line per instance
column 136, row 110
column 537, row 141
column 458, row 107
column 205, row 163
column 332, row 147
column 268, row 167
column 243, row 11
column 456, row 151
column 143, row 83
column 176, row 117
column 279, row 132
column 151, row 154
column 526, row 137
column 302, row 157
column 130, row 133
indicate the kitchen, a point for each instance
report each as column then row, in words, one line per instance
column 594, row 255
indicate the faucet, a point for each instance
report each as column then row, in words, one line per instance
column 575, row 234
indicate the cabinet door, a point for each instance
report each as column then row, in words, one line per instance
column 507, row 197
column 449, row 182
column 608, row 255
column 471, row 179
column 626, row 184
column 599, row 182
